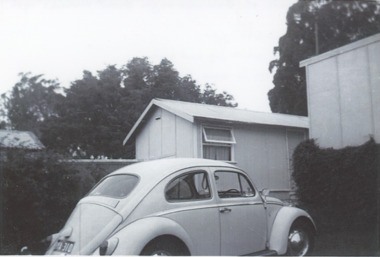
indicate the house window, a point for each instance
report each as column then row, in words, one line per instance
column 217, row 143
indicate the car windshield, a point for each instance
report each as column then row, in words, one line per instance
column 117, row 186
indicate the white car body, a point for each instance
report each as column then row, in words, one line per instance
column 224, row 223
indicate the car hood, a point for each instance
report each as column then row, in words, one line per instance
column 88, row 226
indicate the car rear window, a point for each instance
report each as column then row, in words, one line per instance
column 117, row 186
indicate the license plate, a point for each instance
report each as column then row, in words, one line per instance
column 64, row 246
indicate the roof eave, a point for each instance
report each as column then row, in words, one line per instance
column 138, row 122
column 157, row 103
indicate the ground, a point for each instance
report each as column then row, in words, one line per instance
column 344, row 241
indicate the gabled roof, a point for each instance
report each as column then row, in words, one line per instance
column 19, row 139
column 191, row 111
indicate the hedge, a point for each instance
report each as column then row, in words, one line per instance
column 38, row 193
column 340, row 187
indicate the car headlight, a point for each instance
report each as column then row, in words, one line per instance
column 108, row 246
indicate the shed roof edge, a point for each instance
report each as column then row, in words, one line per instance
column 340, row 50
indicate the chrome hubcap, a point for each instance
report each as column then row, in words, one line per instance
column 160, row 253
column 298, row 242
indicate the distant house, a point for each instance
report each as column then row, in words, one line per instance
column 19, row 139
column 14, row 139
column 343, row 87
column 260, row 143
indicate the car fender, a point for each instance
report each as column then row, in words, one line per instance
column 135, row 236
column 279, row 235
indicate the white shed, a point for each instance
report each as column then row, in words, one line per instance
column 343, row 88
column 260, row 143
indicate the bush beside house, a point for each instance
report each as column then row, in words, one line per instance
column 341, row 190
column 38, row 193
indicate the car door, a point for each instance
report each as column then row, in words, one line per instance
column 190, row 203
column 242, row 215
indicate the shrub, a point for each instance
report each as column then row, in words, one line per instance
column 339, row 187
column 38, row 193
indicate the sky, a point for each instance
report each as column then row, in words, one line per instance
column 225, row 43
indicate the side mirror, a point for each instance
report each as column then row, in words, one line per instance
column 265, row 192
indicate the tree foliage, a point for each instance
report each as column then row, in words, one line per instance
column 331, row 23
column 92, row 116
column 32, row 101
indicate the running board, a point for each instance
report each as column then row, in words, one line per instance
column 264, row 253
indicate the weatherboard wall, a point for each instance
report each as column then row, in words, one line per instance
column 265, row 152
column 343, row 87
column 164, row 135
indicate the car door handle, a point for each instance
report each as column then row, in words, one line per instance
column 224, row 210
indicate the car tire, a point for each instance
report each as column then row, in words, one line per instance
column 300, row 239
column 163, row 247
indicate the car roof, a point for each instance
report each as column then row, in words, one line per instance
column 161, row 168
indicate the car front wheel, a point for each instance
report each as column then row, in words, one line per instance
column 300, row 239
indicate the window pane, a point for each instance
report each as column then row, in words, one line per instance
column 233, row 184
column 227, row 184
column 246, row 187
column 192, row 186
column 179, row 189
column 201, row 185
column 218, row 135
column 214, row 152
column 118, row 186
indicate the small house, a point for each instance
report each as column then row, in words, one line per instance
column 260, row 143
column 14, row 139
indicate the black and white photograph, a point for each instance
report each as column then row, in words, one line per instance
column 190, row 127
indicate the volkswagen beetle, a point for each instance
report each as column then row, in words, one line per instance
column 182, row 207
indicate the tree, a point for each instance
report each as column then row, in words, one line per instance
column 210, row 96
column 164, row 80
column 98, row 111
column 315, row 27
column 136, row 81
column 32, row 101
column 95, row 113
column 91, row 121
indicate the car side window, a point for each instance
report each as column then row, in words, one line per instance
column 189, row 186
column 233, row 184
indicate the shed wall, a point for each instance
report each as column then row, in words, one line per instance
column 344, row 94
column 165, row 135
column 265, row 153
column 186, row 139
